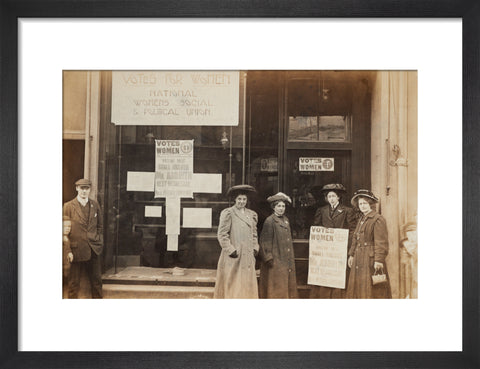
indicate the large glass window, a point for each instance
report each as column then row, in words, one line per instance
column 136, row 219
column 141, row 233
column 324, row 128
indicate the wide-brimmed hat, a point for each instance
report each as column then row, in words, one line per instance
column 319, row 191
column 235, row 190
column 336, row 187
column 280, row 196
column 363, row 193
column 83, row 182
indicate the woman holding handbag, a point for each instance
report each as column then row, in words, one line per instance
column 368, row 251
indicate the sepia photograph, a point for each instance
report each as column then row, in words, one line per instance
column 241, row 193
column 240, row 184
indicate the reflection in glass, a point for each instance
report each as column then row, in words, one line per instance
column 332, row 128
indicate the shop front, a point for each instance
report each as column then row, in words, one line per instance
column 162, row 171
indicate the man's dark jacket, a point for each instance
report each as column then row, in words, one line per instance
column 87, row 232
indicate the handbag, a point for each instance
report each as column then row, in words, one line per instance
column 379, row 277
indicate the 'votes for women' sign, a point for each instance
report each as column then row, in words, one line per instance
column 173, row 168
column 328, row 256
column 173, row 98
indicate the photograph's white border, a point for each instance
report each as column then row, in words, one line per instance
column 433, row 322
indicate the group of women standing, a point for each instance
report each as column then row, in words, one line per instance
column 237, row 235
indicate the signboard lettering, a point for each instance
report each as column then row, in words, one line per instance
column 173, row 168
column 175, row 98
column 269, row 165
column 316, row 164
column 327, row 256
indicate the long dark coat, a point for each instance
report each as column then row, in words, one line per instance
column 369, row 244
column 278, row 281
column 236, row 277
column 342, row 217
column 87, row 233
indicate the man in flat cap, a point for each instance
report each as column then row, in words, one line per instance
column 86, row 240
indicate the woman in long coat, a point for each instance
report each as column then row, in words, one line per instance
column 334, row 215
column 369, row 250
column 237, row 235
column 277, row 270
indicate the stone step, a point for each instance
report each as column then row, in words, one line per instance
column 161, row 276
column 134, row 291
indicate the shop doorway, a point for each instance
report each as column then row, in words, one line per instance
column 307, row 129
column 73, row 166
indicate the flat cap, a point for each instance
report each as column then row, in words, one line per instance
column 280, row 196
column 83, row 182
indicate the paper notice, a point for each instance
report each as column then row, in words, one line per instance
column 172, row 214
column 173, row 168
column 172, row 242
column 153, row 211
column 141, row 181
column 328, row 256
column 197, row 218
column 207, row 183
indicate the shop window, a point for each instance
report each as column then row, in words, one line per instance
column 138, row 219
column 326, row 128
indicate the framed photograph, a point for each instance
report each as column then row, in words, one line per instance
column 317, row 65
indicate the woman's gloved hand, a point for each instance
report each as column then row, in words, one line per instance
column 350, row 261
column 234, row 254
column 378, row 266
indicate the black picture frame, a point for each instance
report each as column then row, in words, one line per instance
column 11, row 10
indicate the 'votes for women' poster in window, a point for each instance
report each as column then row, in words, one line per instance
column 327, row 256
column 173, row 168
